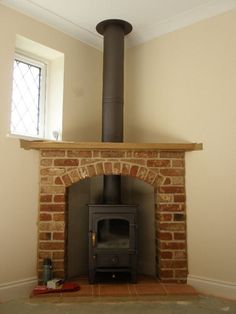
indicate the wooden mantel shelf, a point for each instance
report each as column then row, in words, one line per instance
column 38, row 144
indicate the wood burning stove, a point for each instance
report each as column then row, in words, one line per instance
column 112, row 240
column 112, row 226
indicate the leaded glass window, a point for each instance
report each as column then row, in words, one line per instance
column 28, row 97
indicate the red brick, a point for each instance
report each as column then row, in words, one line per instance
column 165, row 236
column 58, row 217
column 40, row 273
column 172, row 172
column 111, row 154
column 159, row 180
column 150, row 177
column 66, row 162
column 79, row 153
column 74, row 175
column 58, row 265
column 43, row 254
column 142, row 173
column 99, row 168
column 91, row 171
column 46, row 162
column 178, row 163
column 171, row 226
column 117, row 168
column 83, row 172
column 171, row 208
column 167, row 181
column 58, row 181
column 46, row 180
column 52, row 171
column 125, row 169
column 172, row 245
column 51, row 245
column 141, row 162
column 53, row 153
column 165, row 198
column 69, row 169
column 108, row 168
column 58, row 236
column 181, row 273
column 67, row 180
column 158, row 163
column 59, row 198
column 173, row 264
column 58, row 255
column 145, row 154
column 52, row 189
column 165, row 217
column 51, row 226
column 134, row 170
column 180, row 236
column 96, row 153
column 166, row 255
column 179, row 198
column 45, row 198
column 88, row 161
column 178, row 181
column 172, row 154
column 45, row 236
column 179, row 217
column 52, row 207
column 180, row 255
column 45, row 217
column 171, row 189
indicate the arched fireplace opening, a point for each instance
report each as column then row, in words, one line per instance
column 90, row 191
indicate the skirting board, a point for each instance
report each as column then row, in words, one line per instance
column 213, row 287
column 17, row 289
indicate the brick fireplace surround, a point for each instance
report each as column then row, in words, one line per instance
column 163, row 168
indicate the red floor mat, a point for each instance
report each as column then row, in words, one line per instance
column 66, row 287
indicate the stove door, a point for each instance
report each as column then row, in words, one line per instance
column 114, row 232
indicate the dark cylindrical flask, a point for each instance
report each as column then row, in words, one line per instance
column 47, row 270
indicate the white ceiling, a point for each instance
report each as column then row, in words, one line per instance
column 150, row 18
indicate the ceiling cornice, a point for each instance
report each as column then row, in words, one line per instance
column 212, row 8
column 138, row 36
column 56, row 21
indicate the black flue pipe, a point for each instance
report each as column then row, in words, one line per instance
column 113, row 31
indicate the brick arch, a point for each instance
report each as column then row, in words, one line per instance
column 163, row 170
column 137, row 171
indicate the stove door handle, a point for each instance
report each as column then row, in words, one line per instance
column 93, row 235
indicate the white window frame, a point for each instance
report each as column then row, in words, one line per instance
column 43, row 65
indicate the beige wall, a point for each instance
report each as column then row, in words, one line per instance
column 19, row 168
column 181, row 87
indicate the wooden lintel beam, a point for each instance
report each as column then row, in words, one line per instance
column 109, row 146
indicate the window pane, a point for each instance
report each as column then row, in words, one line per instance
column 25, row 99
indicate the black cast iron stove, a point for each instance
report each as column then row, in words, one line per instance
column 112, row 241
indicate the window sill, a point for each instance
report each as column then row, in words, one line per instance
column 26, row 137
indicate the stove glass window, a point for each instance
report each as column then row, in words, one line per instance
column 113, row 234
